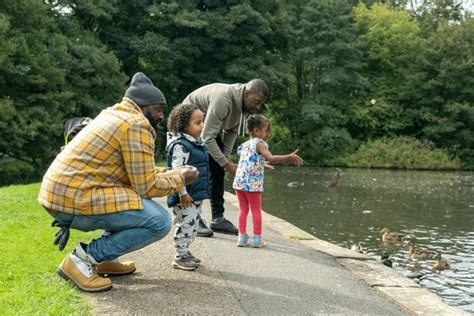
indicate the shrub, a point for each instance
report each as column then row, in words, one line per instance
column 402, row 153
column 17, row 172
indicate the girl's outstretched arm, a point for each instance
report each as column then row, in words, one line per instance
column 262, row 149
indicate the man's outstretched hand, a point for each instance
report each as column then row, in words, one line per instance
column 189, row 173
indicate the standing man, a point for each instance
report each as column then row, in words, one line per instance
column 225, row 106
column 105, row 179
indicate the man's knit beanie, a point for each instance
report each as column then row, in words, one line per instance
column 143, row 92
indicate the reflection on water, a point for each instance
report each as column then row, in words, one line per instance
column 436, row 209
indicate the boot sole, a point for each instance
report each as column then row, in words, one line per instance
column 85, row 289
column 176, row 266
column 225, row 232
column 205, row 234
column 109, row 273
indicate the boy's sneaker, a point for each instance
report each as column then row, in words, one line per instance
column 193, row 258
column 79, row 267
column 222, row 225
column 243, row 240
column 203, row 230
column 185, row 263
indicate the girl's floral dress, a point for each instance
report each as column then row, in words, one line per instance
column 249, row 175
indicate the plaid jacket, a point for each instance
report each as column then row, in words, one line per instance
column 108, row 167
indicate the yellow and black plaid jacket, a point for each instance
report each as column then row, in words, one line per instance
column 108, row 167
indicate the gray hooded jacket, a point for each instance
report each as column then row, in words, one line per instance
column 223, row 108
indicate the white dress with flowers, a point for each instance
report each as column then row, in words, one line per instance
column 249, row 175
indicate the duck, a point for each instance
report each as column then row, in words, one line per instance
column 440, row 264
column 295, row 184
column 388, row 236
column 417, row 276
column 420, row 254
column 386, row 259
column 335, row 179
column 357, row 248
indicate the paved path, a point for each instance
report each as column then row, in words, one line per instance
column 295, row 274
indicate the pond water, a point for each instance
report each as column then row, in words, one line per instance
column 436, row 210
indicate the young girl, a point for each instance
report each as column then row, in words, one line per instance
column 248, row 181
column 185, row 124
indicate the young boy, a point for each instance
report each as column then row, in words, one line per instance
column 185, row 125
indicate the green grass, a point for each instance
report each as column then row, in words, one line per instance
column 301, row 238
column 29, row 283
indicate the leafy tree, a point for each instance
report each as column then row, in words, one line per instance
column 51, row 70
column 182, row 45
column 395, row 66
column 432, row 13
column 325, row 66
column 449, row 109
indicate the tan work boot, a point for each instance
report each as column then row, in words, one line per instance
column 79, row 267
column 115, row 267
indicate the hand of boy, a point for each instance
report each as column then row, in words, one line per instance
column 186, row 200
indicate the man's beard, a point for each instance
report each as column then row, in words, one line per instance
column 153, row 122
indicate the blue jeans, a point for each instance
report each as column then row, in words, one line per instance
column 124, row 231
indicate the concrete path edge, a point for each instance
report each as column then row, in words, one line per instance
column 400, row 289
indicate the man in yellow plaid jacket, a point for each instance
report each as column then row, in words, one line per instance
column 105, row 179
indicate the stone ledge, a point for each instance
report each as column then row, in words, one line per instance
column 376, row 274
column 420, row 301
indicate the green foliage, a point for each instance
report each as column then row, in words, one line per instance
column 401, row 153
column 324, row 62
column 394, row 65
column 29, row 283
column 432, row 13
column 16, row 172
column 50, row 71
column 448, row 109
column 184, row 44
column 324, row 55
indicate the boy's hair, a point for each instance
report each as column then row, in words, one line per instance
column 256, row 121
column 179, row 117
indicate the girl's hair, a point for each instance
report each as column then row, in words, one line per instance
column 179, row 117
column 256, row 121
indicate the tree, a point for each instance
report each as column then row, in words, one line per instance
column 325, row 66
column 449, row 110
column 51, row 70
column 395, row 66
column 182, row 45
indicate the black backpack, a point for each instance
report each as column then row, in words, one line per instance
column 73, row 126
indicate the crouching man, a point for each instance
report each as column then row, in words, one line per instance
column 105, row 179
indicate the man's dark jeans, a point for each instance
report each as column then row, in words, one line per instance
column 217, row 174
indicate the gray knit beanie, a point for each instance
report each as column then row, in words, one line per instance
column 143, row 92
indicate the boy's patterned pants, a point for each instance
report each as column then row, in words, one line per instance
column 186, row 221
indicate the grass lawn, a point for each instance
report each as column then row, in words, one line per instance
column 29, row 283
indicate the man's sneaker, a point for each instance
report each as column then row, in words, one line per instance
column 198, row 261
column 79, row 267
column 185, row 263
column 115, row 268
column 222, row 225
column 203, row 230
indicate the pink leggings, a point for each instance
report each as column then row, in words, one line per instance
column 253, row 201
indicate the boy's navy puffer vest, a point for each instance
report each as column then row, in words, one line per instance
column 198, row 157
